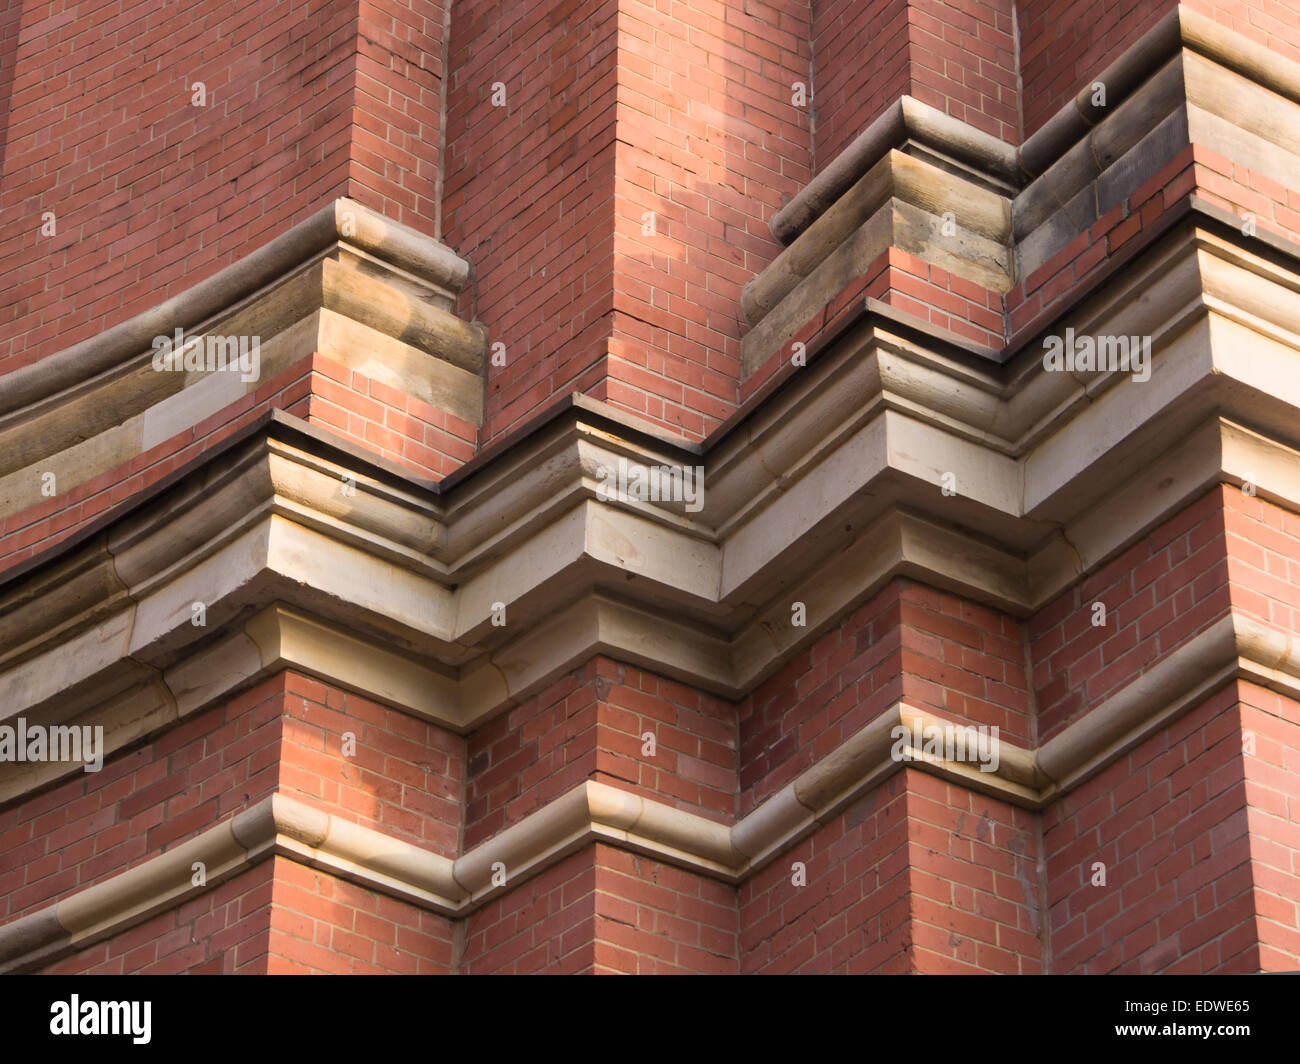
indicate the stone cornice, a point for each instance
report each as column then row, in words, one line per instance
column 1237, row 646
column 434, row 590
column 822, row 496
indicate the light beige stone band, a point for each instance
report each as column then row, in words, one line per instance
column 413, row 629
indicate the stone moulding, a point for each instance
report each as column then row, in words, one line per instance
column 898, row 203
column 343, row 221
column 911, row 122
column 429, row 584
column 1235, row 646
column 908, row 124
column 346, row 283
column 1188, row 81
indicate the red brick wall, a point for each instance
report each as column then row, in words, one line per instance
column 406, row 778
column 1245, row 192
column 1272, row 723
column 397, row 108
column 589, row 725
column 959, row 59
column 652, row 918
column 966, row 660
column 861, row 66
column 852, row 916
column 323, row 925
column 150, row 192
column 528, row 189
column 974, row 870
column 971, row 312
column 277, row 918
column 605, row 911
column 306, row 102
column 695, row 734
column 917, row 876
column 223, row 931
column 532, row 755
column 909, row 642
column 1158, row 594
column 284, row 735
column 963, row 62
column 147, row 799
column 1063, row 47
column 1169, row 821
column 430, row 442
column 712, row 140
column 10, row 18
column 615, row 110
column 825, row 694
column 544, row 924
column 1263, row 547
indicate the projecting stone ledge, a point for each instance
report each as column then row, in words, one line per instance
column 348, row 284
column 929, row 215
